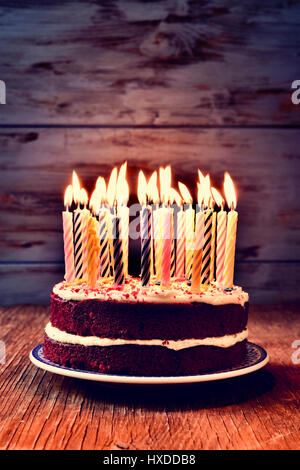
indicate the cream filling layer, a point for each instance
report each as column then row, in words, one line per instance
column 219, row 341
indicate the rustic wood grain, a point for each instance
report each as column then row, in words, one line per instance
column 40, row 410
column 136, row 63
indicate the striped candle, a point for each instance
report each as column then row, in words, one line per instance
column 213, row 248
column 117, row 252
column 85, row 218
column 206, row 247
column 221, row 244
column 198, row 250
column 230, row 249
column 104, row 244
column 68, row 245
column 145, row 223
column 78, row 243
column 180, row 245
column 189, row 241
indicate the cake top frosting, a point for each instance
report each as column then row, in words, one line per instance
column 132, row 291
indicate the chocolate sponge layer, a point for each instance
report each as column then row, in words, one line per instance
column 144, row 360
column 128, row 320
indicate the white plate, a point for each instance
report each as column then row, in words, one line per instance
column 256, row 358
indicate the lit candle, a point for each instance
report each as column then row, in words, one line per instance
column 85, row 213
column 104, row 244
column 110, row 199
column 78, row 234
column 166, row 246
column 145, row 229
column 231, row 232
column 67, row 217
column 221, row 237
column 180, row 244
column 92, row 252
column 95, row 207
column 213, row 245
column 205, row 268
column 103, row 231
column 189, row 229
column 198, row 244
column 166, row 226
column 122, row 196
column 157, row 242
column 176, row 200
column 119, row 277
column 153, row 196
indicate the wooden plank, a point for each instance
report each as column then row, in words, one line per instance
column 40, row 410
column 36, row 166
column 219, row 62
column 272, row 283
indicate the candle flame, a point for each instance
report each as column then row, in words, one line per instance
column 165, row 183
column 142, row 188
column 217, row 197
column 229, row 190
column 122, row 172
column 68, row 196
column 83, row 197
column 76, row 187
column 201, row 176
column 175, row 197
column 95, row 201
column 111, row 188
column 101, row 188
column 185, row 193
column 152, row 188
column 122, row 190
column 206, row 190
column 201, row 193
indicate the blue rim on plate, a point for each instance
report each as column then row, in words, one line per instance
column 255, row 359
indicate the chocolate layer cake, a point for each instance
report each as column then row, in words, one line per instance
column 132, row 331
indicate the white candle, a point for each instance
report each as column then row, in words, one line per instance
column 67, row 217
column 189, row 240
column 180, row 244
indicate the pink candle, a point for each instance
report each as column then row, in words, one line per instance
column 68, row 237
column 166, row 246
column 221, row 245
column 180, row 244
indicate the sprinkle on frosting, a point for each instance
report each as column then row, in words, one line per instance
column 132, row 291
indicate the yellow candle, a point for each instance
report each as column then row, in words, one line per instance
column 93, row 250
column 213, row 248
column 230, row 248
column 231, row 232
column 197, row 257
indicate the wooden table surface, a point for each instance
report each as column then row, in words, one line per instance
column 40, row 410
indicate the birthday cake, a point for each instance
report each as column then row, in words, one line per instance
column 150, row 332
column 182, row 316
